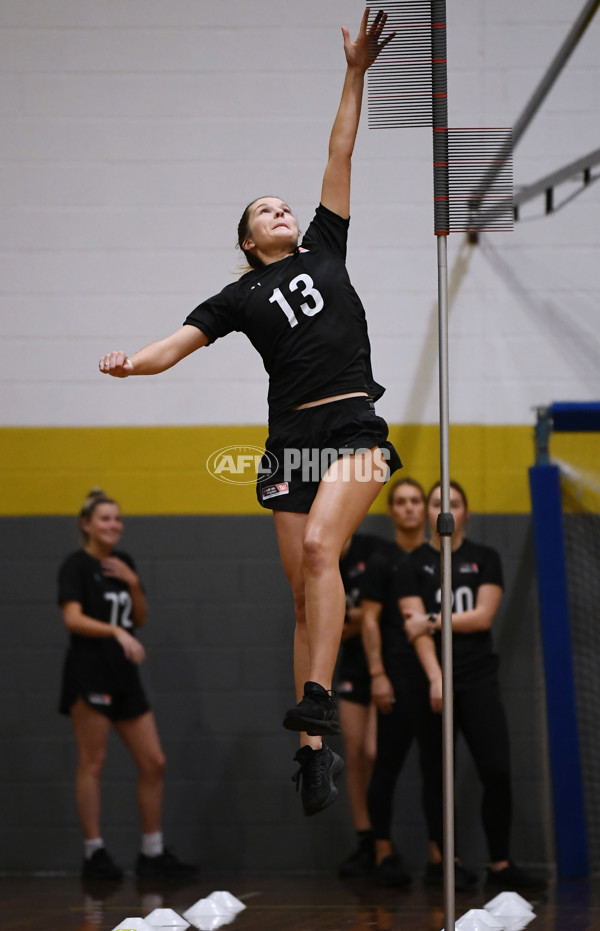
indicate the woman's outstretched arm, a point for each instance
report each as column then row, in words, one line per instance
column 157, row 357
column 360, row 55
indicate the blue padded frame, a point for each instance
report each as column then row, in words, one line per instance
column 575, row 416
column 567, row 784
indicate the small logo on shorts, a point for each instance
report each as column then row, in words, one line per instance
column 345, row 688
column 98, row 698
column 272, row 491
column 241, row 465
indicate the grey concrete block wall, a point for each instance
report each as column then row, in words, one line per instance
column 219, row 674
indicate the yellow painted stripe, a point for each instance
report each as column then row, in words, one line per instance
column 162, row 470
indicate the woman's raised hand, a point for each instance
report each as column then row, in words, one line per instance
column 116, row 568
column 115, row 363
column 368, row 44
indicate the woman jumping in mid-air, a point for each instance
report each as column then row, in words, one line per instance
column 298, row 308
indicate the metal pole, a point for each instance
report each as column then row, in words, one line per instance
column 555, row 68
column 445, row 527
column 441, row 192
column 539, row 95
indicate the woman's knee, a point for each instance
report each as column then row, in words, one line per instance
column 318, row 553
column 91, row 763
column 370, row 752
column 159, row 762
column 153, row 765
column 353, row 752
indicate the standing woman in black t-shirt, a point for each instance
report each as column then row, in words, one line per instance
column 400, row 691
column 477, row 585
column 103, row 602
column 327, row 454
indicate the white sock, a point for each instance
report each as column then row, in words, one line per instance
column 91, row 846
column 152, row 844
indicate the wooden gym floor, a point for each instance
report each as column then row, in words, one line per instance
column 274, row 903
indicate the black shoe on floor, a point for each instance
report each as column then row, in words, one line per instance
column 463, row 878
column 165, row 866
column 316, row 714
column 318, row 770
column 361, row 861
column 513, row 879
column 100, row 866
column 392, row 872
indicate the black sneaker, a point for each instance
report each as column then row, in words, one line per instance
column 316, row 714
column 392, row 872
column 100, row 866
column 165, row 866
column 318, row 770
column 361, row 862
column 513, row 879
column 463, row 878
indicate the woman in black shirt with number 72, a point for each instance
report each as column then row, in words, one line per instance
column 102, row 603
column 327, row 454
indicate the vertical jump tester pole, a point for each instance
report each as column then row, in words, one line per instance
column 408, row 87
column 445, row 520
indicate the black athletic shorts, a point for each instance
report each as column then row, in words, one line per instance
column 353, row 680
column 302, row 445
column 116, row 692
column 356, row 689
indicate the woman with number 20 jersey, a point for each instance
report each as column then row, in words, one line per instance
column 479, row 714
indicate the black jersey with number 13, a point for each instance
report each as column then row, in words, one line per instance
column 304, row 318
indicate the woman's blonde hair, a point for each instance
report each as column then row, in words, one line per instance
column 94, row 497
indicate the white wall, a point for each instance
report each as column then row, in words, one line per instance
column 133, row 133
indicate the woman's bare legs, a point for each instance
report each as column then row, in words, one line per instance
column 345, row 494
column 91, row 729
column 359, row 725
column 289, row 528
column 140, row 736
column 310, row 547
